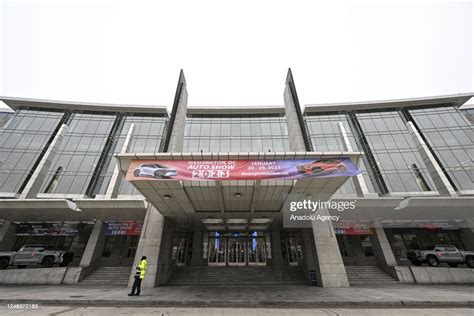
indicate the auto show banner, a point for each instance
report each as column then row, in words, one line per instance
column 127, row 228
column 202, row 170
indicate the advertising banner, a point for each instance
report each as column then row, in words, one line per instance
column 47, row 229
column 127, row 228
column 217, row 170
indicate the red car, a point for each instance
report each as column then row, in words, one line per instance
column 322, row 166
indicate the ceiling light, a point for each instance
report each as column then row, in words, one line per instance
column 167, row 196
column 237, row 195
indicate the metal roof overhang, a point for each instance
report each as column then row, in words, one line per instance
column 76, row 210
column 17, row 103
column 452, row 99
column 257, row 197
column 418, row 211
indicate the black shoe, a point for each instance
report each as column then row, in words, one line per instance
column 131, row 294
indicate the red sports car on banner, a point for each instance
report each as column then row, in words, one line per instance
column 322, row 167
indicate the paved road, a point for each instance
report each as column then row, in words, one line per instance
column 70, row 311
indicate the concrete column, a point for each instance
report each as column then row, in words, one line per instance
column 7, row 236
column 114, row 184
column 197, row 248
column 359, row 181
column 330, row 270
column 95, row 246
column 33, row 186
column 382, row 250
column 179, row 111
column 276, row 245
column 149, row 245
column 357, row 249
column 309, row 252
column 295, row 134
column 440, row 180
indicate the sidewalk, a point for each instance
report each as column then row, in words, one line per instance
column 393, row 295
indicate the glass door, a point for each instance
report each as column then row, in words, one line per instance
column 256, row 251
column 217, row 251
column 236, row 252
column 291, row 250
column 182, row 251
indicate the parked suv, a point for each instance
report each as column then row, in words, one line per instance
column 38, row 255
column 441, row 253
column 154, row 170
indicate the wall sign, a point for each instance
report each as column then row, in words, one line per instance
column 217, row 170
column 47, row 229
column 127, row 228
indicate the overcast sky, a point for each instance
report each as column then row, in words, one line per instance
column 235, row 52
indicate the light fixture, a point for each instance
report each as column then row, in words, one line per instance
column 167, row 196
column 237, row 195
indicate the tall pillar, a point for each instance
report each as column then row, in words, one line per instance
column 33, row 186
column 359, row 181
column 7, row 236
column 114, row 184
column 440, row 180
column 294, row 119
column 197, row 248
column 276, row 245
column 175, row 136
column 149, row 245
column 382, row 250
column 330, row 270
column 95, row 246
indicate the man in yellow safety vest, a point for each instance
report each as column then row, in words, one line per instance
column 139, row 276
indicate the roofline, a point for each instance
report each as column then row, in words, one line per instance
column 226, row 110
column 453, row 99
column 17, row 103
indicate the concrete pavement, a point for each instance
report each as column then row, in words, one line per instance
column 283, row 296
column 183, row 311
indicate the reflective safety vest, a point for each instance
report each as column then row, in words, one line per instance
column 141, row 269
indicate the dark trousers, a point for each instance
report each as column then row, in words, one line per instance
column 137, row 284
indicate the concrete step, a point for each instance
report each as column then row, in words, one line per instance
column 237, row 275
column 368, row 275
column 108, row 276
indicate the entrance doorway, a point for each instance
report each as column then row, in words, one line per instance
column 237, row 250
column 292, row 251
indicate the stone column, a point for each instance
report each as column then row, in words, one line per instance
column 440, row 180
column 149, row 245
column 295, row 133
column 330, row 270
column 7, row 236
column 179, row 120
column 382, row 250
column 114, row 184
column 276, row 245
column 359, row 181
column 33, row 186
column 95, row 246
column 197, row 248
column 357, row 249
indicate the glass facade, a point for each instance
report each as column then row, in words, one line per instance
column 450, row 135
column 22, row 140
column 324, row 133
column 75, row 162
column 235, row 133
column 394, row 151
column 147, row 137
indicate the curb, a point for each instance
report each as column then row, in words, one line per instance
column 242, row 304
